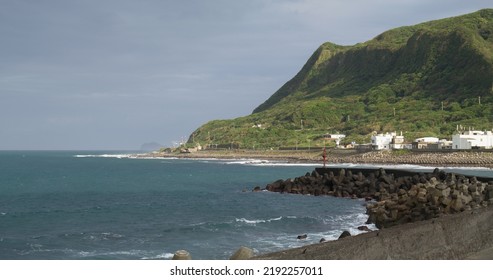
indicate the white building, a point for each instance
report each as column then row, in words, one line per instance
column 398, row 143
column 429, row 140
column 426, row 143
column 382, row 141
column 472, row 139
column 445, row 144
column 335, row 137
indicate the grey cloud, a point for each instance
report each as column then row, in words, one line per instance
column 118, row 73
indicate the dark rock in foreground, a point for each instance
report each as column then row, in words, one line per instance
column 344, row 234
column 395, row 196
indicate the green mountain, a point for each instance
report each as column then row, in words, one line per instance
column 422, row 80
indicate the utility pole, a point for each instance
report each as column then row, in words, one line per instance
column 479, row 100
column 442, row 105
column 324, row 155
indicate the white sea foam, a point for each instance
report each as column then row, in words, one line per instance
column 167, row 255
column 263, row 162
column 258, row 221
column 288, row 164
column 247, row 161
column 163, row 256
column 107, row 156
column 284, row 241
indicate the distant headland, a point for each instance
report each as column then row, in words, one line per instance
column 428, row 80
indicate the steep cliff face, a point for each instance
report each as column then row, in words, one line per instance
column 313, row 66
column 452, row 55
column 422, row 79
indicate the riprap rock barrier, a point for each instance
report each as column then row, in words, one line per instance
column 395, row 196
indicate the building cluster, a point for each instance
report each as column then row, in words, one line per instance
column 461, row 140
column 335, row 137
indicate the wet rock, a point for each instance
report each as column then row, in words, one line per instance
column 364, row 228
column 400, row 199
column 243, row 253
column 301, row 237
column 344, row 234
column 182, row 255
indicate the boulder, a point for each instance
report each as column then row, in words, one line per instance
column 488, row 192
column 446, row 192
column 342, row 174
column 344, row 234
column 451, row 177
column 466, row 198
column 398, row 199
column 182, row 255
column 422, row 197
column 301, row 237
column 364, row 228
column 441, row 186
column 243, row 253
column 457, row 205
column 433, row 181
column 413, row 191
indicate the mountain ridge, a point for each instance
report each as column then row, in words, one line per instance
column 420, row 79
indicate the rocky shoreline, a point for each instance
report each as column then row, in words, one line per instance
column 463, row 236
column 335, row 156
column 420, row 216
column 449, row 158
column 397, row 199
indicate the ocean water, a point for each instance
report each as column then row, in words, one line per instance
column 105, row 205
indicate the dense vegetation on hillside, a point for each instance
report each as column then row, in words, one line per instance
column 422, row 80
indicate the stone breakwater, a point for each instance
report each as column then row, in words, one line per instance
column 395, row 197
column 483, row 159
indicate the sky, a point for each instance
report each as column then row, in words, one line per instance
column 115, row 74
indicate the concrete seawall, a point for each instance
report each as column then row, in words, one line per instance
column 467, row 235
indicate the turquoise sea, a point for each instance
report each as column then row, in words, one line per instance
column 105, row 205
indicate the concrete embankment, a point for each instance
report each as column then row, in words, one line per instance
column 466, row 235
